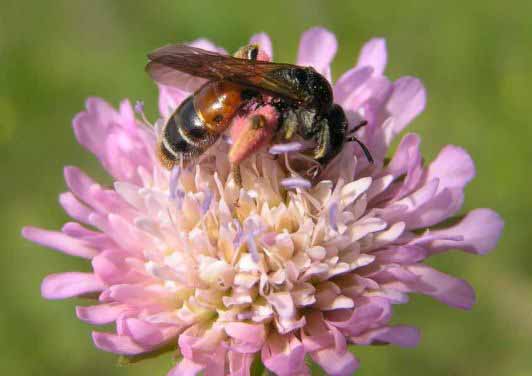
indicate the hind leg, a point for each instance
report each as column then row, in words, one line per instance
column 251, row 52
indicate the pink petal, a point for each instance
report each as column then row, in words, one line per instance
column 336, row 363
column 59, row 241
column 317, row 49
column 74, row 208
column 100, row 314
column 404, row 336
column 402, row 255
column 79, row 183
column 393, row 296
column 407, row 151
column 348, row 84
column 127, row 115
column 207, row 45
column 239, row 364
column 90, row 127
column 128, row 236
column 438, row 208
column 204, row 346
column 283, row 304
column 95, row 239
column 252, row 335
column 284, row 355
column 373, row 54
column 169, row 99
column 418, row 199
column 114, row 267
column 127, row 151
column 369, row 98
column 407, row 161
column 145, row 334
column 186, row 367
column 67, row 285
column 328, row 297
column 140, row 295
column 122, row 345
column 449, row 290
column 119, row 142
column 264, row 42
column 316, row 335
column 453, row 166
column 102, row 200
column 369, row 311
column 480, row 229
column 406, row 102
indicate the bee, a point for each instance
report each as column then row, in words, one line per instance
column 303, row 99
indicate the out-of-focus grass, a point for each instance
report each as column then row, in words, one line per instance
column 474, row 57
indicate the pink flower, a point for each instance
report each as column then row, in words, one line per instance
column 295, row 269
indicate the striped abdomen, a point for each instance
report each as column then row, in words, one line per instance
column 198, row 121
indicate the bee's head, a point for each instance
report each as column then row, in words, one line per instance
column 317, row 89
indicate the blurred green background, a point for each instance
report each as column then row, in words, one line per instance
column 475, row 58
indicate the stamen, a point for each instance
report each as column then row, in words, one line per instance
column 296, row 182
column 227, row 139
column 173, row 185
column 252, row 229
column 286, row 148
column 313, row 171
column 287, row 164
column 139, row 107
column 239, row 234
column 206, row 204
column 175, row 193
column 333, row 214
column 244, row 315
column 158, row 128
column 252, row 248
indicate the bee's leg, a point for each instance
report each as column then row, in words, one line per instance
column 308, row 126
column 323, row 142
column 289, row 125
column 237, row 177
column 251, row 52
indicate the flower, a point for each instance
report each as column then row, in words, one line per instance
column 286, row 267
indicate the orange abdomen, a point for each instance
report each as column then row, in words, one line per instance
column 217, row 103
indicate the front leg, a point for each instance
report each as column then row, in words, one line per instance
column 301, row 121
column 323, row 142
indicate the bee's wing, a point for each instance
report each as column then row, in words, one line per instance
column 167, row 65
column 170, row 77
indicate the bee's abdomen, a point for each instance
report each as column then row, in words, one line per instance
column 191, row 126
column 199, row 121
column 184, row 135
column 217, row 103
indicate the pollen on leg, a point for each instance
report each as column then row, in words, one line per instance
column 166, row 160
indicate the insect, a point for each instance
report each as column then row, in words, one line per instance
column 302, row 96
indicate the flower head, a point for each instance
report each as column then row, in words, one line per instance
column 289, row 265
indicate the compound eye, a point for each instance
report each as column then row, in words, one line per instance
column 301, row 76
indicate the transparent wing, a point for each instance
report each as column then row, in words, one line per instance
column 167, row 65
